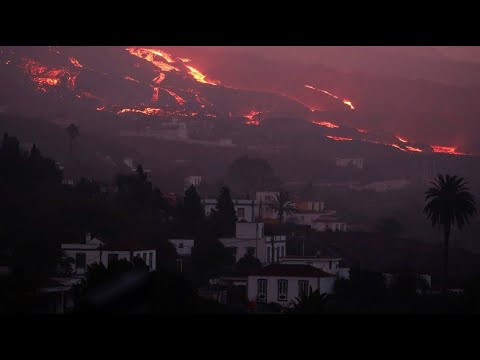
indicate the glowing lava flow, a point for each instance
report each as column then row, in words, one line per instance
column 396, row 146
column 130, row 79
column 401, row 139
column 45, row 78
column 345, row 101
column 150, row 54
column 363, row 131
column 250, row 117
column 179, row 99
column 348, row 103
column 339, row 138
column 197, row 75
column 446, row 150
column 326, row 124
column 159, row 78
column 414, row 149
column 146, row 111
column 155, row 94
column 185, row 60
column 75, row 62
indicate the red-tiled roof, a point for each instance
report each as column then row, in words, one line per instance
column 292, row 271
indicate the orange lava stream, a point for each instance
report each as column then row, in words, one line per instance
column 339, row 138
column 159, row 78
column 155, row 94
column 178, row 98
column 130, row 79
column 446, row 150
column 362, row 131
column 403, row 140
column 75, row 62
column 326, row 124
column 414, row 149
column 146, row 111
column 345, row 101
column 197, row 75
column 185, row 60
column 150, row 54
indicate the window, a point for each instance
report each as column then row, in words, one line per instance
column 262, row 290
column 241, row 213
column 302, row 287
column 282, row 290
column 150, row 260
column 250, row 251
column 269, row 255
column 80, row 260
column 180, row 245
column 330, row 265
column 282, row 251
column 112, row 258
column 144, row 257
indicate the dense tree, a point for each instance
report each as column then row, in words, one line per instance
column 248, row 264
column 73, row 132
column 248, row 175
column 192, row 211
column 449, row 204
column 389, row 226
column 224, row 215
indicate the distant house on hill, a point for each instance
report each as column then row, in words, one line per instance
column 282, row 283
column 94, row 250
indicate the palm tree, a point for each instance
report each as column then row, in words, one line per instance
column 73, row 132
column 282, row 205
column 309, row 302
column 449, row 204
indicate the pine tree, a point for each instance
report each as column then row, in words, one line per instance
column 225, row 215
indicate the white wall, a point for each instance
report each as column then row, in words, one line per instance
column 326, row 286
column 248, row 207
column 92, row 256
column 279, row 245
column 183, row 246
column 328, row 265
column 149, row 256
column 242, row 245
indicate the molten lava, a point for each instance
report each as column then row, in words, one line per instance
column 146, row 111
column 155, row 94
column 345, row 101
column 130, row 79
column 414, row 149
column 159, row 78
column 403, row 140
column 348, row 103
column 45, row 78
column 339, row 138
column 150, row 55
column 197, row 75
column 179, row 99
column 446, row 150
column 396, row 146
column 362, row 131
column 185, row 60
column 326, row 124
column 75, row 62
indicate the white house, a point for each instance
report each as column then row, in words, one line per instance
column 282, row 283
column 183, row 246
column 329, row 223
column 96, row 251
column 249, row 239
column 344, row 162
column 328, row 264
column 244, row 208
column 194, row 180
column 279, row 246
column 262, row 211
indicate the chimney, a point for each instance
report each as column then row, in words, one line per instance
column 88, row 238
